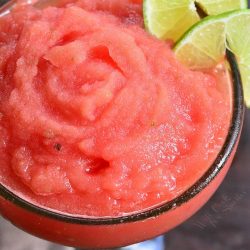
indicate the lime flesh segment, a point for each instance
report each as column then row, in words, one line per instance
column 169, row 19
column 238, row 40
column 204, row 45
column 215, row 7
column 245, row 76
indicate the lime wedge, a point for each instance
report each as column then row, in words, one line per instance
column 204, row 45
column 169, row 19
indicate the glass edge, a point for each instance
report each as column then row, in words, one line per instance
column 196, row 188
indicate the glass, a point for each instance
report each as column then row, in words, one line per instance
column 121, row 231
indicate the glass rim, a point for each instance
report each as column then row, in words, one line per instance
column 218, row 164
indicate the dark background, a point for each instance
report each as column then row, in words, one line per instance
column 223, row 224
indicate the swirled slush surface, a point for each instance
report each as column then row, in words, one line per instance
column 96, row 116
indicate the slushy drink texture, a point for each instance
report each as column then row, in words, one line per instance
column 97, row 117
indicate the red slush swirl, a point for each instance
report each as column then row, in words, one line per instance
column 91, row 111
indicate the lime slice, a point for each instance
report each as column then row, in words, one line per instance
column 204, row 45
column 169, row 19
column 238, row 41
column 215, row 7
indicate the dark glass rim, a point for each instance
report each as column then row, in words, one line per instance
column 195, row 189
